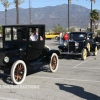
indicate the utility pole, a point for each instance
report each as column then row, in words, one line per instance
column 30, row 18
column 69, row 1
column 91, row 20
column 68, row 16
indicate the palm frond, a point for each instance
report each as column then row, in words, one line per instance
column 6, row 3
column 94, row 16
column 19, row 1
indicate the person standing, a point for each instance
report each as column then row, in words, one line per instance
column 61, row 38
column 66, row 37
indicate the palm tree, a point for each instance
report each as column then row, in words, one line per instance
column 94, row 16
column 91, row 11
column 6, row 4
column 17, row 3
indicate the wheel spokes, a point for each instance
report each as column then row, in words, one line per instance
column 54, row 62
column 19, row 71
column 95, row 52
column 84, row 53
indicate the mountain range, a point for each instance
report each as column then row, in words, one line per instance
column 50, row 16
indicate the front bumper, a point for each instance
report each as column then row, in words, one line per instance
column 70, row 53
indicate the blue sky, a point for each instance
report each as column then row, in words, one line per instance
column 44, row 3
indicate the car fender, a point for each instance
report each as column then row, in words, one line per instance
column 14, row 59
column 84, row 48
column 54, row 51
column 93, row 47
column 49, row 54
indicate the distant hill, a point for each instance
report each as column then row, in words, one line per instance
column 50, row 16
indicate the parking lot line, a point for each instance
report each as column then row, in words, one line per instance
column 65, row 79
column 83, row 68
column 81, row 63
column 3, row 98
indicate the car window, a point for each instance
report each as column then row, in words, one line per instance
column 7, row 34
column 20, row 34
column 35, row 34
column 89, row 36
column 14, row 33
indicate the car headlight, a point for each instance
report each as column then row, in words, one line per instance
column 76, row 43
column 6, row 59
column 65, row 43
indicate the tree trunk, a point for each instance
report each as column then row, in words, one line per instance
column 94, row 32
column 17, row 12
column 5, row 16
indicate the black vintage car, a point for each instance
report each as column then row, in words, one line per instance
column 18, row 52
column 80, row 43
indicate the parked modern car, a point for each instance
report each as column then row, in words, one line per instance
column 52, row 36
column 18, row 52
column 80, row 43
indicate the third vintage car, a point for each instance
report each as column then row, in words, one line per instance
column 80, row 43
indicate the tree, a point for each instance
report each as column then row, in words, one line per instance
column 17, row 3
column 58, row 29
column 98, row 32
column 92, row 0
column 0, row 29
column 6, row 4
column 91, row 11
column 72, row 29
column 94, row 16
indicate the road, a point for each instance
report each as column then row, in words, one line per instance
column 75, row 79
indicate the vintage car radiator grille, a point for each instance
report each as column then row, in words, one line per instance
column 71, row 46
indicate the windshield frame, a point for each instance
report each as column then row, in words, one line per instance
column 78, row 36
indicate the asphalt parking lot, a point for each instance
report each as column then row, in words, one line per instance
column 75, row 79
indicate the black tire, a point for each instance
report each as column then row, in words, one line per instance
column 18, row 72
column 95, row 51
column 56, row 37
column 54, row 62
column 84, row 54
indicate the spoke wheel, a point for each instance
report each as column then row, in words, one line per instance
column 18, row 72
column 84, row 54
column 95, row 51
column 88, row 47
column 54, row 62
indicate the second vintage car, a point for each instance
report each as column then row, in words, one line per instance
column 80, row 43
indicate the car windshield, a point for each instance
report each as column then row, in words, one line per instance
column 77, row 36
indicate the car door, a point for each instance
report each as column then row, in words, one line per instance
column 35, row 48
